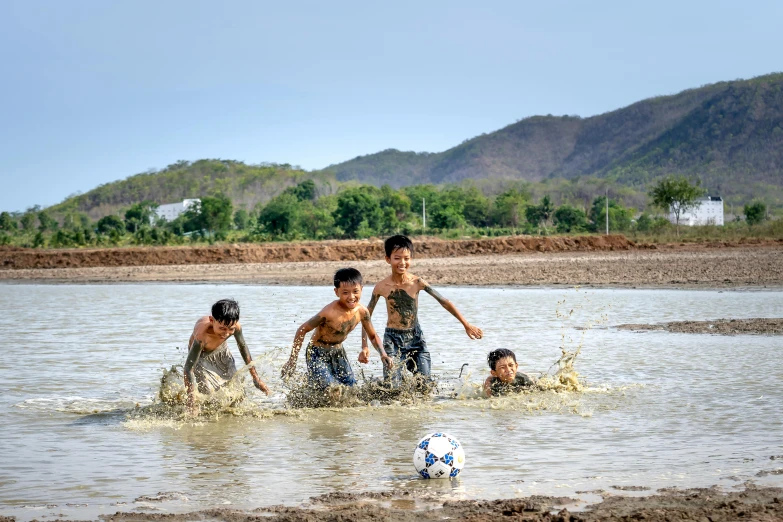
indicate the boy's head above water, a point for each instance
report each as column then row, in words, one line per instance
column 348, row 286
column 399, row 250
column 225, row 316
column 503, row 364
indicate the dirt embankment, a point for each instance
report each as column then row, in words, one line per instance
column 24, row 258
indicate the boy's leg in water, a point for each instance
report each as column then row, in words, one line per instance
column 319, row 367
column 393, row 341
column 341, row 367
column 417, row 356
column 418, row 362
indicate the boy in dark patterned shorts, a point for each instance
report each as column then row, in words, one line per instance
column 403, row 339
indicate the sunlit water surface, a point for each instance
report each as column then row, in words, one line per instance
column 660, row 409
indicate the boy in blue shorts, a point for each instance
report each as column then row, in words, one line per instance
column 403, row 339
column 327, row 364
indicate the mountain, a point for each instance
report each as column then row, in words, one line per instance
column 729, row 135
column 246, row 185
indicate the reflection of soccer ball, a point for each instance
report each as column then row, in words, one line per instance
column 439, row 455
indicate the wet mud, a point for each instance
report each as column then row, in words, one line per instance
column 712, row 504
column 768, row 326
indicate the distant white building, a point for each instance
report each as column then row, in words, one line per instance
column 708, row 212
column 171, row 211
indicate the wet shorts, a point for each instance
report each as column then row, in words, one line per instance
column 328, row 366
column 214, row 369
column 409, row 346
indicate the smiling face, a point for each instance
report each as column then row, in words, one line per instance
column 505, row 369
column 224, row 331
column 349, row 294
column 400, row 260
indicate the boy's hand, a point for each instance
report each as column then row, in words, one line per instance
column 288, row 369
column 364, row 355
column 261, row 386
column 474, row 332
column 387, row 361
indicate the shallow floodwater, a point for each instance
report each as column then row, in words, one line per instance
column 659, row 409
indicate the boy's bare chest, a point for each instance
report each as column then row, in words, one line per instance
column 394, row 291
column 211, row 341
column 402, row 308
column 339, row 325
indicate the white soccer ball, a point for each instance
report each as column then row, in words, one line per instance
column 439, row 455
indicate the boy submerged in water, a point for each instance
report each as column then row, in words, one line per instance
column 327, row 364
column 403, row 339
column 505, row 378
column 210, row 365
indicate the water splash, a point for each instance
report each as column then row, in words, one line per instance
column 373, row 391
column 576, row 313
column 559, row 388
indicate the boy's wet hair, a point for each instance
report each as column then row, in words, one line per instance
column 501, row 353
column 397, row 242
column 348, row 275
column 226, row 311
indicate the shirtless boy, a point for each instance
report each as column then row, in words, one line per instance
column 403, row 339
column 505, row 378
column 327, row 364
column 210, row 365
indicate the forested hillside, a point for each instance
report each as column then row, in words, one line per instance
column 245, row 185
column 728, row 135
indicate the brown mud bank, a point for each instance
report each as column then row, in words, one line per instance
column 751, row 267
column 28, row 258
column 768, row 326
column 752, row 504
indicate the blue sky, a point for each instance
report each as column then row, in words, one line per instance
column 95, row 91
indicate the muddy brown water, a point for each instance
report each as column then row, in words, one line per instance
column 81, row 437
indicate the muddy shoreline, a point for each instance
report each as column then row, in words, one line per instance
column 755, row 326
column 737, row 267
column 753, row 503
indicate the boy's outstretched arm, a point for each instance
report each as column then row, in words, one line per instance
column 243, row 350
column 308, row 326
column 374, row 339
column 364, row 356
column 474, row 332
column 190, row 378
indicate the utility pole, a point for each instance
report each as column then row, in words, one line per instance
column 607, row 211
column 423, row 215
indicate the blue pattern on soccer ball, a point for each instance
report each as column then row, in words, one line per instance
column 448, row 459
column 437, row 435
column 454, row 472
column 430, row 459
column 454, row 444
column 424, row 473
column 423, row 445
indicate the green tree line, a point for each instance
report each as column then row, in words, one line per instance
column 302, row 212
